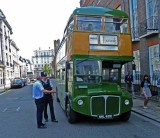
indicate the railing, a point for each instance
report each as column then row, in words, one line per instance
column 137, row 91
column 39, row 56
column 154, row 79
column 148, row 25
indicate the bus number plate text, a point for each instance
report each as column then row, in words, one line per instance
column 105, row 117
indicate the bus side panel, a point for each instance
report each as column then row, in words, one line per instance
column 60, row 85
column 125, row 45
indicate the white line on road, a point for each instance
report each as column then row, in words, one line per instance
column 18, row 108
column 4, row 110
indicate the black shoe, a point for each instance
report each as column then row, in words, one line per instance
column 42, row 127
column 46, row 120
column 56, row 121
column 43, row 124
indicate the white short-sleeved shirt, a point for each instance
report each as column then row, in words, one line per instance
column 37, row 90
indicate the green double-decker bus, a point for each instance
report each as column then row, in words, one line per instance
column 89, row 60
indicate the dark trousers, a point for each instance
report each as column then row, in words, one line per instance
column 40, row 109
column 49, row 100
column 129, row 87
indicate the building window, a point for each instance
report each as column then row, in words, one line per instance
column 136, row 56
column 154, row 63
column 152, row 14
column 134, row 19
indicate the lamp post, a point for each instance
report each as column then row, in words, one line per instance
column 134, row 72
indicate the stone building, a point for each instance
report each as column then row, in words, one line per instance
column 6, row 61
column 40, row 58
column 145, row 28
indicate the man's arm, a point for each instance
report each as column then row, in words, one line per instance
column 44, row 90
column 48, row 91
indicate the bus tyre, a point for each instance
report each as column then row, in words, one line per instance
column 125, row 116
column 71, row 115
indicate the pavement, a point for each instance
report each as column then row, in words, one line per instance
column 152, row 112
column 2, row 90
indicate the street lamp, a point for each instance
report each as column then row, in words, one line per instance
column 134, row 70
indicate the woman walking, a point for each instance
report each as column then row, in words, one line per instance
column 146, row 90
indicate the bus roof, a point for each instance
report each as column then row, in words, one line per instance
column 99, row 11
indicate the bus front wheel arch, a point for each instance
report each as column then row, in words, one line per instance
column 70, row 113
column 125, row 116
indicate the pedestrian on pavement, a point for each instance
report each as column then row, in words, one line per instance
column 129, row 83
column 48, row 97
column 38, row 95
column 146, row 90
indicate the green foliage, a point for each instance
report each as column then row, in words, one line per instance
column 47, row 69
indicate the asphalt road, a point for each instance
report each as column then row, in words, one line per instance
column 18, row 120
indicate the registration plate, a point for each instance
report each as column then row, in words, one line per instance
column 105, row 116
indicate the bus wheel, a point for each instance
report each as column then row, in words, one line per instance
column 71, row 115
column 57, row 96
column 125, row 116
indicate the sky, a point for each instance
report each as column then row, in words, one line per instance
column 37, row 23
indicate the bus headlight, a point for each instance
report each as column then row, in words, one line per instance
column 80, row 102
column 126, row 102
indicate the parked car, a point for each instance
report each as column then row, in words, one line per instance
column 25, row 81
column 32, row 80
column 17, row 82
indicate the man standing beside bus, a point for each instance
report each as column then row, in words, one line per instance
column 38, row 95
column 48, row 97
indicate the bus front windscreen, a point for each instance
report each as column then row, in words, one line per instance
column 87, row 71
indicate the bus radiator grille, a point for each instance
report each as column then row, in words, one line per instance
column 105, row 105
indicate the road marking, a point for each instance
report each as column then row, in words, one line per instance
column 4, row 110
column 13, row 98
column 18, row 108
column 11, row 109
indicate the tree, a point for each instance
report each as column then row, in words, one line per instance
column 47, row 69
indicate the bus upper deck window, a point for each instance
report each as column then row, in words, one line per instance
column 89, row 23
column 90, row 27
column 124, row 27
column 115, row 25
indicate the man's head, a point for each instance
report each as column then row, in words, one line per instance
column 44, row 76
column 38, row 77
